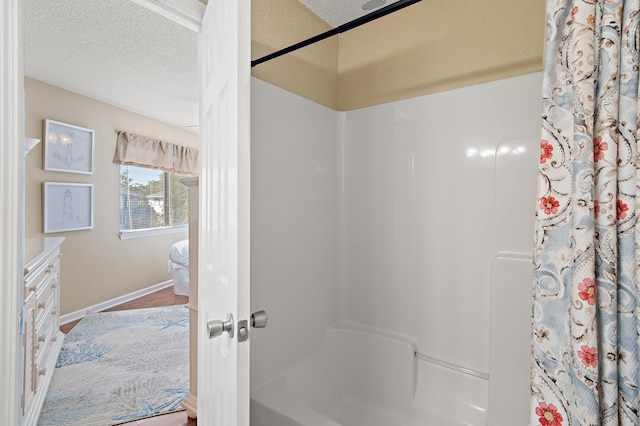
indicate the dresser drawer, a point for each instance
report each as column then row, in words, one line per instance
column 34, row 280
column 45, row 297
column 46, row 309
column 46, row 351
column 45, row 325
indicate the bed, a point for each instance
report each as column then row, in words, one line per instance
column 179, row 267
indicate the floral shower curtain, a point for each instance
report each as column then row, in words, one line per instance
column 585, row 366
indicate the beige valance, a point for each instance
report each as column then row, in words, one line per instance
column 136, row 150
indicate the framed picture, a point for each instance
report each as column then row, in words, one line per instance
column 67, row 206
column 67, row 148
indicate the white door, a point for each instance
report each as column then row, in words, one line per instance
column 223, row 283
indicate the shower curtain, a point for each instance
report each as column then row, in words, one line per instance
column 585, row 367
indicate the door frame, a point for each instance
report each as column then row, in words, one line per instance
column 11, row 156
column 12, row 106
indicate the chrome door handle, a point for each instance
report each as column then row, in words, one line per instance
column 216, row 327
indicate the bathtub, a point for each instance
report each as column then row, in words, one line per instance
column 365, row 377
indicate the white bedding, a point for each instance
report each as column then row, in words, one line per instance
column 179, row 267
column 179, row 253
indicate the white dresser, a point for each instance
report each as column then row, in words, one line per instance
column 42, row 337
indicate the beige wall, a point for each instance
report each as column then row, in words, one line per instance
column 97, row 265
column 433, row 46
column 424, row 48
column 311, row 72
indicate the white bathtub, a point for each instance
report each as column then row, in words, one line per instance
column 362, row 377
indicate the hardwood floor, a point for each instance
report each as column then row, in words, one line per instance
column 164, row 297
column 173, row 419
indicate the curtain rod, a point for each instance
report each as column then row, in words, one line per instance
column 337, row 30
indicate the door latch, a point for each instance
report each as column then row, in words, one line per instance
column 259, row 319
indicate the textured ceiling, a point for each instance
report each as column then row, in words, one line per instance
column 122, row 54
column 336, row 13
column 117, row 52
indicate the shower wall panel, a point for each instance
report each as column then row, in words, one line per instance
column 294, row 226
column 420, row 219
column 389, row 217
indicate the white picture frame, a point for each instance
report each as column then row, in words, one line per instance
column 67, row 206
column 67, row 148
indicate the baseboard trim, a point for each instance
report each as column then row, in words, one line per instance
column 73, row 316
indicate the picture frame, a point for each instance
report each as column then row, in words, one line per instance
column 67, row 148
column 67, row 206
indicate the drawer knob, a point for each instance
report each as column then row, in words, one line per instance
column 41, row 338
column 31, row 288
column 42, row 371
column 41, row 305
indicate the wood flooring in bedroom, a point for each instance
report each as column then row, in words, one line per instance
column 164, row 297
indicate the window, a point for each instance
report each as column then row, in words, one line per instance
column 152, row 199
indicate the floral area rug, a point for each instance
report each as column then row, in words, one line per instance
column 116, row 367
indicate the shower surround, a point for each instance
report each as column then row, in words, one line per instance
column 411, row 220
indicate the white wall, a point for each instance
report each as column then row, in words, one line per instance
column 419, row 207
column 294, row 226
column 394, row 214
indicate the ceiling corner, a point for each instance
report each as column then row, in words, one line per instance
column 187, row 13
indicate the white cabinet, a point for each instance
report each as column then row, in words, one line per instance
column 42, row 337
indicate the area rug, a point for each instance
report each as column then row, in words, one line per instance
column 116, row 367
